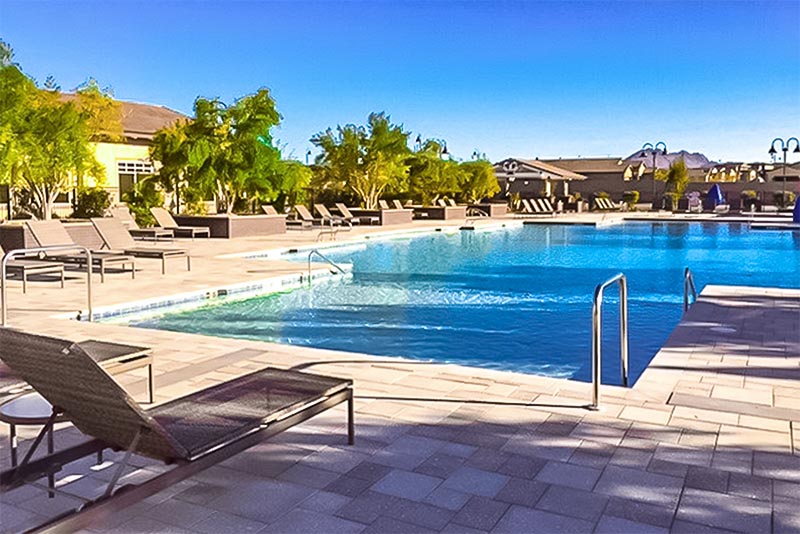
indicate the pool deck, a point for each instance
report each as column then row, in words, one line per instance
column 704, row 442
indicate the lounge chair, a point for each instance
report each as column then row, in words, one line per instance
column 305, row 220
column 441, row 203
column 382, row 204
column 52, row 234
column 165, row 220
column 155, row 233
column 192, row 433
column 117, row 239
column 359, row 219
column 331, row 219
column 25, row 268
column 452, row 203
column 398, row 205
column 268, row 209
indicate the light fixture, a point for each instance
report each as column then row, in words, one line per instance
column 772, row 150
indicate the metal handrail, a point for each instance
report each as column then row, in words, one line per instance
column 597, row 320
column 688, row 284
column 39, row 250
column 324, row 257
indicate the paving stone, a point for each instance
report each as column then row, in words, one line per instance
column 366, row 508
column 573, row 502
column 369, row 471
column 248, row 500
column 440, row 465
column 454, row 528
column 705, row 478
column 724, row 511
column 348, row 486
column 447, row 498
column 685, row 527
column 751, row 487
column 558, row 425
column 777, row 466
column 387, row 525
column 663, row 467
column 521, row 466
column 222, row 523
column 312, row 477
column 574, row 476
column 641, row 486
column 324, row 501
column 421, row 514
column 788, row 490
column 481, row 513
column 458, row 449
column 616, row 525
column 476, row 482
column 487, row 459
column 640, row 512
column 304, row 521
column 178, row 513
column 785, row 516
column 522, row 491
column 520, row 519
column 408, row 485
column 634, row 458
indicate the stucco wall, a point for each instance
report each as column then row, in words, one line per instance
column 108, row 154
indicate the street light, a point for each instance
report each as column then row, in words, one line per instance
column 785, row 147
column 654, row 149
column 308, row 155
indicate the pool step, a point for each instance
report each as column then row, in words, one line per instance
column 732, row 406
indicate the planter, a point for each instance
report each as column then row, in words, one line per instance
column 440, row 213
column 230, row 226
column 491, row 209
column 385, row 217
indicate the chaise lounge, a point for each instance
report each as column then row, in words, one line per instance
column 192, row 433
column 117, row 239
column 25, row 268
column 165, row 220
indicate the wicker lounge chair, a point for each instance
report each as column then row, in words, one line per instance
column 25, row 268
column 165, row 220
column 117, row 239
column 155, row 233
column 193, row 432
column 52, row 233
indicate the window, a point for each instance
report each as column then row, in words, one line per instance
column 130, row 172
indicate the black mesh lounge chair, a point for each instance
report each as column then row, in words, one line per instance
column 193, row 432
column 24, row 268
column 331, row 219
column 165, row 220
column 358, row 219
column 117, row 239
column 155, row 233
column 52, row 233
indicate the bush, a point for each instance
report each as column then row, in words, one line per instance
column 749, row 194
column 602, row 194
column 144, row 196
column 784, row 199
column 91, row 202
column 631, row 198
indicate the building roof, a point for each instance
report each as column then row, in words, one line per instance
column 534, row 169
column 141, row 121
column 693, row 160
column 589, row 165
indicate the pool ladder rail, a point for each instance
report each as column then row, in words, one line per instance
column 597, row 335
column 688, row 287
column 324, row 258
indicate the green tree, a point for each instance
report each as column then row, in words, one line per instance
column 429, row 175
column 170, row 148
column 369, row 161
column 477, row 180
column 676, row 178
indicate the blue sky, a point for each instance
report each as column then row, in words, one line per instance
column 521, row 79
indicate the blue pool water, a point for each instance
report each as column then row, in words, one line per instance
column 516, row 298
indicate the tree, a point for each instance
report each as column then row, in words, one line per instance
column 676, row 178
column 45, row 139
column 429, row 175
column 369, row 161
column 477, row 180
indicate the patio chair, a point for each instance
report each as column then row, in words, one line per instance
column 269, row 209
column 117, row 239
column 165, row 220
column 441, row 203
column 382, row 204
column 358, row 219
column 331, row 219
column 192, row 433
column 52, row 233
column 305, row 220
column 25, row 268
column 123, row 214
column 451, row 203
column 398, row 205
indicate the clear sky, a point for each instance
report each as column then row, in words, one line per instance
column 512, row 79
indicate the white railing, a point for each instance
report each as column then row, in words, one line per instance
column 597, row 335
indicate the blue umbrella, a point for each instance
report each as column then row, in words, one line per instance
column 715, row 194
column 796, row 212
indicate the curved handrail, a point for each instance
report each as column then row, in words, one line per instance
column 324, row 257
column 38, row 250
column 597, row 336
column 688, row 284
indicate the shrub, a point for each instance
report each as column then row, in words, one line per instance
column 144, row 196
column 630, row 198
column 749, row 194
column 91, row 202
column 602, row 194
column 784, row 199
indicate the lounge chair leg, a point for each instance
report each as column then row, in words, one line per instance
column 13, row 442
column 133, row 270
column 351, row 425
column 62, row 278
column 102, row 272
column 151, row 384
column 24, row 282
column 188, row 263
column 163, row 265
column 122, row 464
column 51, row 477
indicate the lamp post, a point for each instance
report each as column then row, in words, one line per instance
column 785, row 148
column 654, row 149
column 308, row 155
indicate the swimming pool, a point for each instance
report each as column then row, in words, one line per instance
column 516, row 298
